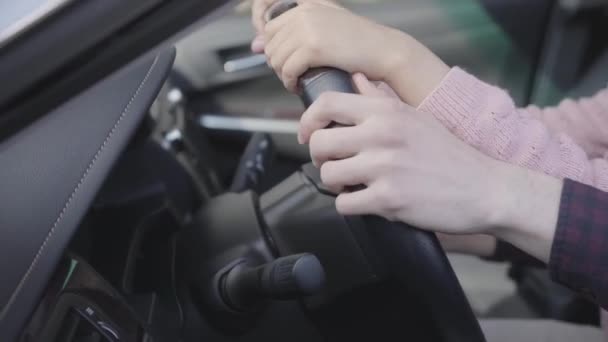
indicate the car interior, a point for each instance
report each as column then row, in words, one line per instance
column 152, row 188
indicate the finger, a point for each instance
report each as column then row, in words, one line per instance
column 335, row 143
column 279, row 40
column 258, row 11
column 278, row 50
column 285, row 18
column 366, row 87
column 339, row 174
column 258, row 44
column 295, row 66
column 341, row 108
column 275, row 25
column 360, row 202
column 387, row 90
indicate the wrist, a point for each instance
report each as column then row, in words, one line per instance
column 412, row 69
column 523, row 208
column 502, row 197
column 397, row 56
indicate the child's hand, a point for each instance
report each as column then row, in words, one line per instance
column 258, row 12
column 258, row 9
column 320, row 33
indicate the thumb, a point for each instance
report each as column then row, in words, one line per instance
column 366, row 87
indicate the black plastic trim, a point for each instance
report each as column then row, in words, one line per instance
column 51, row 172
column 78, row 47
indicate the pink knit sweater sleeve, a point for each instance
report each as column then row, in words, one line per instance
column 548, row 140
column 584, row 120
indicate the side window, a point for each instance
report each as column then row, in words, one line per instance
column 497, row 40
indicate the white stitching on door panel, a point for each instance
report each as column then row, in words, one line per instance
column 67, row 204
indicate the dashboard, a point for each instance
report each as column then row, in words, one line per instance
column 83, row 75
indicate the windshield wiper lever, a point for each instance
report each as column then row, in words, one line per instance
column 244, row 288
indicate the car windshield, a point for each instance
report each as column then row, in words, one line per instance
column 17, row 17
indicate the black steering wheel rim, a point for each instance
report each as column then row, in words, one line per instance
column 402, row 248
column 300, row 216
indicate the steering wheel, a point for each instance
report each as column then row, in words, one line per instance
column 380, row 274
column 356, row 252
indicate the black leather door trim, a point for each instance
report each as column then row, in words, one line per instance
column 71, row 198
column 51, row 171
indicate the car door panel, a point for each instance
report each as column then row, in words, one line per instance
column 51, row 171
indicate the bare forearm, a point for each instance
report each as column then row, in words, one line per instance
column 523, row 210
column 414, row 71
column 584, row 120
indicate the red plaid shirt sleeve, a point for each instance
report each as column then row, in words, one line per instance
column 579, row 256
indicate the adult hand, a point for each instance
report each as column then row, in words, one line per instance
column 417, row 172
column 322, row 34
column 414, row 169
